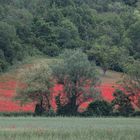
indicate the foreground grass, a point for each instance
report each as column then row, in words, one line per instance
column 69, row 128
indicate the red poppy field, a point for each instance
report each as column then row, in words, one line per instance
column 7, row 102
column 8, row 91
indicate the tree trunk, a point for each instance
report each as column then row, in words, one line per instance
column 39, row 109
column 48, row 104
column 73, row 105
column 104, row 71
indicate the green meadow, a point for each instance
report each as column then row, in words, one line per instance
column 69, row 128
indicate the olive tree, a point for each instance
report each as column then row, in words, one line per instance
column 78, row 76
column 35, row 86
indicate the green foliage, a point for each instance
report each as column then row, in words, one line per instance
column 75, row 72
column 36, row 87
column 99, row 108
column 108, row 57
column 133, row 34
column 50, row 26
column 8, row 52
column 131, row 2
column 122, row 103
column 63, row 110
column 68, row 35
column 131, row 81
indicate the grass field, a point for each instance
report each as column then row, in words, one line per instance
column 69, row 128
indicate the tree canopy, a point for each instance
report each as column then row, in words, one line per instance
column 49, row 26
column 78, row 76
column 36, row 86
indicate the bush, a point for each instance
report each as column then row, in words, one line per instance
column 136, row 114
column 63, row 110
column 39, row 110
column 99, row 108
column 122, row 103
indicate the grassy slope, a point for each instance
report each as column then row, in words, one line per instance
column 69, row 128
column 111, row 77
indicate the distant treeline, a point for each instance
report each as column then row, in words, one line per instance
column 46, row 27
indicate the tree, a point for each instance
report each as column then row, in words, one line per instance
column 99, row 108
column 122, row 103
column 78, row 76
column 111, row 26
column 3, row 63
column 131, row 81
column 68, row 36
column 134, row 33
column 36, row 87
column 131, row 2
column 50, row 26
column 7, row 39
column 108, row 57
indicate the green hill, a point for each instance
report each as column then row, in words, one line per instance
column 47, row 27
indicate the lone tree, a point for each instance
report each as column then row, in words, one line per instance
column 131, row 81
column 36, row 87
column 79, row 78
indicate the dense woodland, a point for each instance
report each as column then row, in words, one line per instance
column 107, row 30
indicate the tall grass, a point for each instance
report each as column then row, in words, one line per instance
column 69, row 128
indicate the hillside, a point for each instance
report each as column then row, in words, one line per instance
column 107, row 33
column 8, row 87
column 47, row 27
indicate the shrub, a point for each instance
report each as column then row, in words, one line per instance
column 99, row 108
column 122, row 103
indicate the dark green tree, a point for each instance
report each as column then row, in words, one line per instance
column 49, row 26
column 131, row 2
column 10, row 48
column 133, row 34
column 99, row 108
